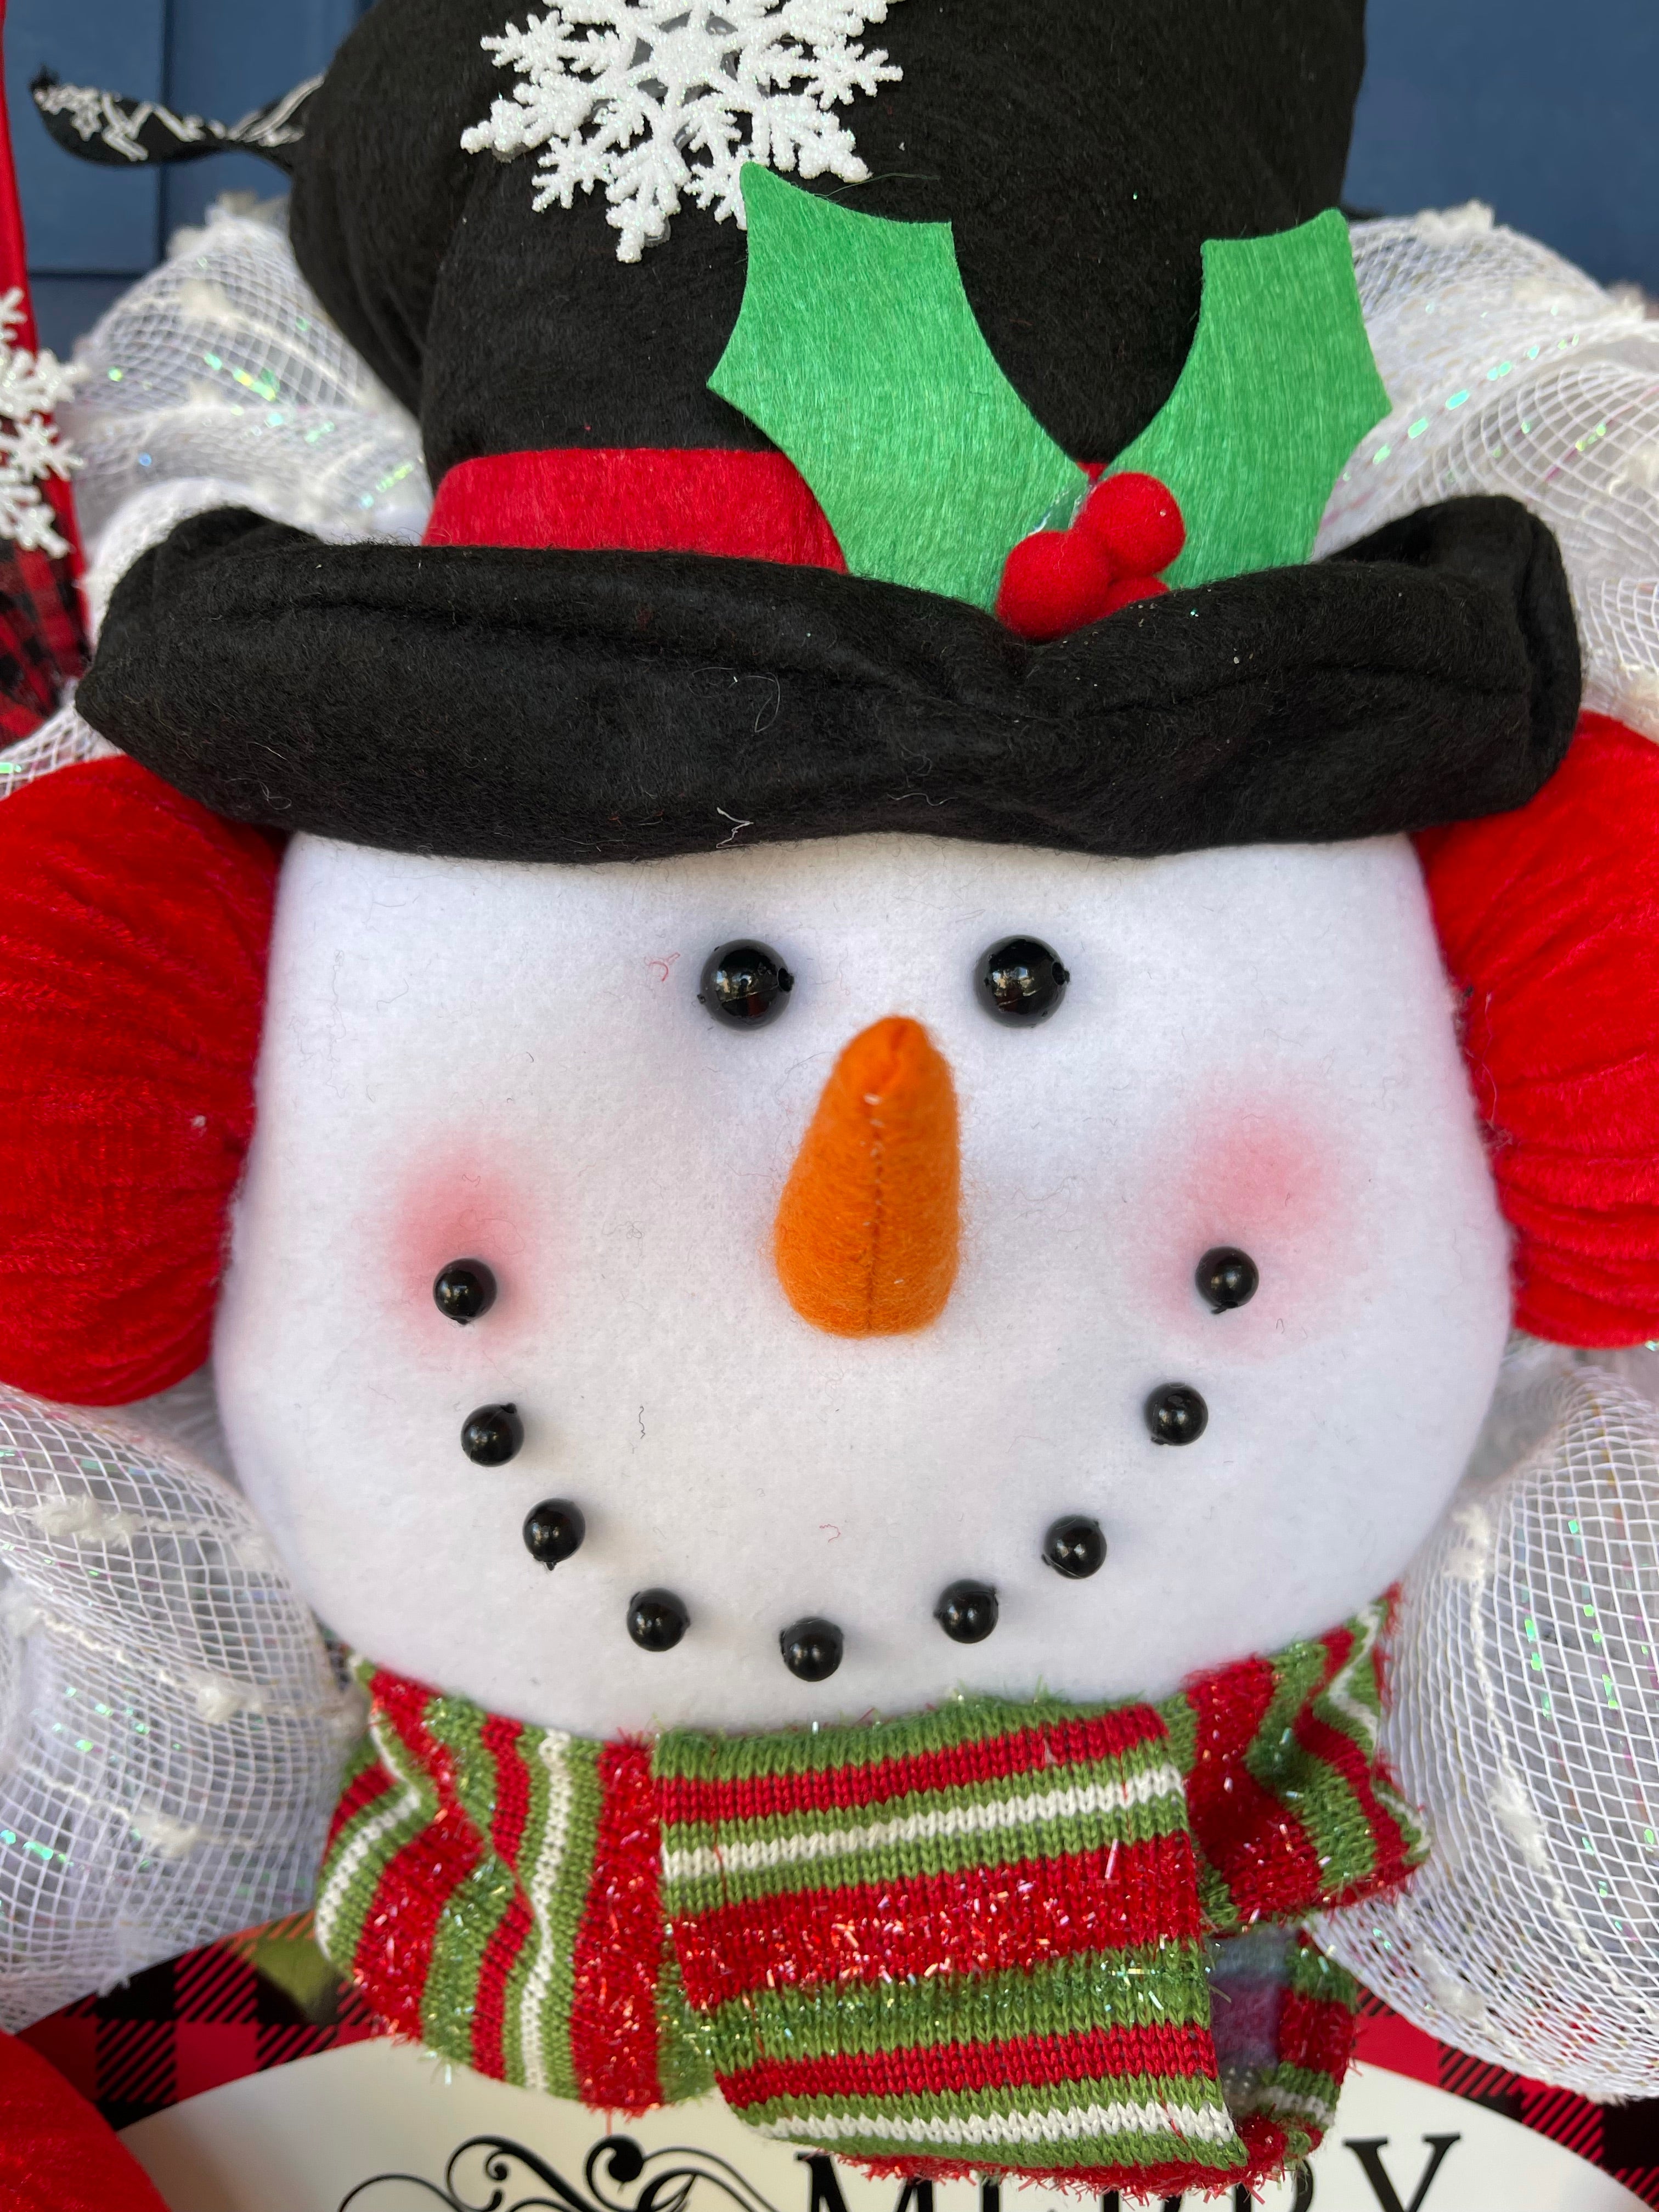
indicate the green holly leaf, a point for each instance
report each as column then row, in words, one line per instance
column 1279, row 387
column 858, row 354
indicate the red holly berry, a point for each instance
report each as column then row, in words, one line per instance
column 1135, row 523
column 1128, row 589
column 1053, row 582
column 1056, row 581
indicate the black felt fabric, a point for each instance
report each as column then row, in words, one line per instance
column 502, row 704
column 1083, row 152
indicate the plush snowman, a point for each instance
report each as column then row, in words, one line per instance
column 846, row 1240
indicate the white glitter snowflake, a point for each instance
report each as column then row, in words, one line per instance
column 656, row 97
column 31, row 385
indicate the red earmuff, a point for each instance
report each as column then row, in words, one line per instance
column 134, row 927
column 56, row 2153
column 1549, row 923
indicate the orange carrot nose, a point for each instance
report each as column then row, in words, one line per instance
column 870, row 1219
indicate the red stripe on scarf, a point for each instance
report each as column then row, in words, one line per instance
column 1026, row 2063
column 500, row 1956
column 1265, row 2142
column 1338, row 1750
column 1316, row 2033
column 1022, row 1751
column 394, row 1951
column 371, row 1782
column 500, row 1738
column 983, row 1920
column 618, row 1949
column 1262, row 1851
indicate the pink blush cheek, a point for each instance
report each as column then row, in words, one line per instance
column 1275, row 1184
column 460, row 1209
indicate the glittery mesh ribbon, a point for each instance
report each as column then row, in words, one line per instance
column 987, row 1937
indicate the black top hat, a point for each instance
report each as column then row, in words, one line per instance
column 570, row 695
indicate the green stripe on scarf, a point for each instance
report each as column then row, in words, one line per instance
column 1144, row 1988
column 682, row 2059
column 448, row 2004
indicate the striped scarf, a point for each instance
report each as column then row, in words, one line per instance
column 1029, row 1938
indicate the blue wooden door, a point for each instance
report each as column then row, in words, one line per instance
column 91, row 230
column 1545, row 108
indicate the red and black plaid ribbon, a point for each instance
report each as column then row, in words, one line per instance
column 42, row 642
column 263, row 1999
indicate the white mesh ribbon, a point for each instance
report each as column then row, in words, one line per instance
column 1525, row 1720
column 219, row 379
column 171, row 1726
column 62, row 740
column 1511, row 371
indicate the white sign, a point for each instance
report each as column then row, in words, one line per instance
column 380, row 2127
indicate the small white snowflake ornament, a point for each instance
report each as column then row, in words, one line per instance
column 651, row 99
column 31, row 385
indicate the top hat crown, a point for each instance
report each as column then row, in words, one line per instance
column 988, row 254
column 1081, row 163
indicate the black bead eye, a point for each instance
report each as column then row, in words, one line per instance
column 812, row 1649
column 657, row 1619
column 1227, row 1278
column 1176, row 1414
column 465, row 1291
column 1021, row 981
column 744, row 985
column 1075, row 1548
column 492, row 1435
column 553, row 1531
column 966, row 1612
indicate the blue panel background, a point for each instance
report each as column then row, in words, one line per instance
column 81, row 219
column 91, row 230
column 227, row 56
column 1547, row 108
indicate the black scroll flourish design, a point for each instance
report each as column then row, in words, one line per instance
column 611, row 2173
column 667, row 2185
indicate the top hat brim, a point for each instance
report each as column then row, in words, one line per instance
column 499, row 703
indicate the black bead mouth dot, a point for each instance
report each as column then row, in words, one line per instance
column 554, row 1531
column 657, row 1619
column 1075, row 1546
column 492, row 1435
column 1176, row 1414
column 812, row 1648
column 1227, row 1279
column 465, row 1291
column 967, row 1611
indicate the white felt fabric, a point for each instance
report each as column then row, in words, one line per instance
column 510, row 1063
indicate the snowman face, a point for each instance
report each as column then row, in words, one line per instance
column 511, row 1064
